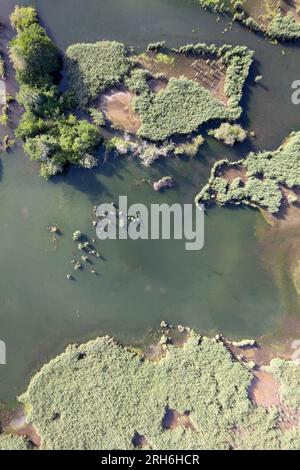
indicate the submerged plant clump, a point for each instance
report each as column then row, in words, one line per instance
column 51, row 135
column 259, row 178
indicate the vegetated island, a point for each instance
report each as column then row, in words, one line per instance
column 267, row 180
column 144, row 99
column 204, row 394
column 277, row 19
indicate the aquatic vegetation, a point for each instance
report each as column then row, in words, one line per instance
column 179, row 109
column 93, row 68
column 184, row 105
column 229, row 133
column 50, row 135
column 109, row 410
column 274, row 21
column 190, row 149
column 4, row 118
column 284, row 27
column 263, row 175
column 144, row 150
column 101, row 395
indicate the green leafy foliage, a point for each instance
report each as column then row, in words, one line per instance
column 100, row 395
column 92, row 68
column 265, row 173
column 34, row 56
column 184, row 105
column 229, row 133
column 288, row 374
column 8, row 442
column 120, row 394
column 23, row 17
column 179, row 109
column 50, row 135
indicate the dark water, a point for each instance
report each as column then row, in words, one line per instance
column 225, row 287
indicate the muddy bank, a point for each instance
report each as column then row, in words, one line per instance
column 118, row 110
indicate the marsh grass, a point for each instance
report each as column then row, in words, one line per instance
column 265, row 174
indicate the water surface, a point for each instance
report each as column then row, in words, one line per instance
column 226, row 287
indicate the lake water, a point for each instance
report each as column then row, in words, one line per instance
column 225, row 287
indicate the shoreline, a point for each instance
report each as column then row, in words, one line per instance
column 254, row 356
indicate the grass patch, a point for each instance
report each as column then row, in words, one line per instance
column 8, row 442
column 229, row 133
column 101, row 395
column 270, row 18
column 265, row 173
column 93, row 68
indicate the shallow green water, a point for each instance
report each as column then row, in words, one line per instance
column 225, row 287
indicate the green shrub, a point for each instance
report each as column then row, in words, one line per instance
column 97, row 117
column 265, row 173
column 284, row 27
column 34, row 56
column 179, row 109
column 99, row 395
column 103, row 394
column 229, row 133
column 23, row 17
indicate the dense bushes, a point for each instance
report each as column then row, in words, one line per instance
column 121, row 394
column 229, row 133
column 100, row 395
column 22, row 18
column 264, row 174
column 184, row 105
column 34, row 56
column 92, row 68
column 50, row 136
column 179, row 109
column 284, row 27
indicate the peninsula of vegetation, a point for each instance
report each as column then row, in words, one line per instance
column 268, row 180
column 205, row 394
column 277, row 19
column 143, row 99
